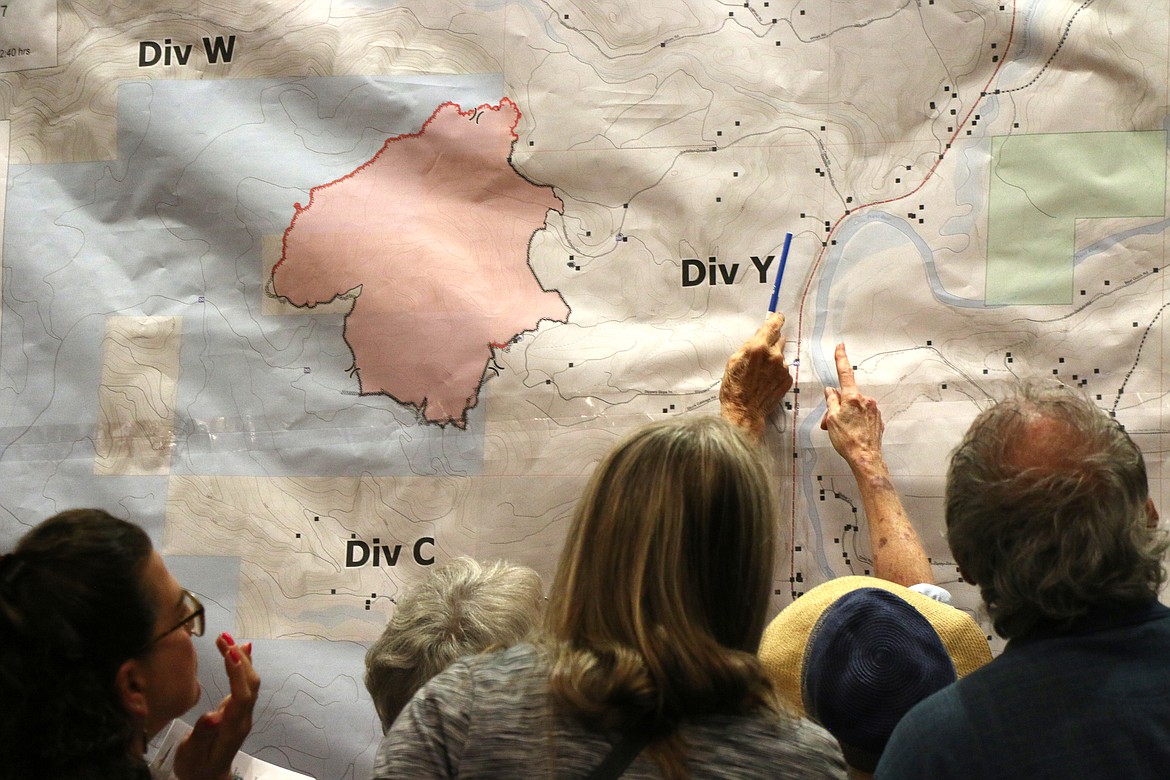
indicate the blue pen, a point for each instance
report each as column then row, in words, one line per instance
column 780, row 273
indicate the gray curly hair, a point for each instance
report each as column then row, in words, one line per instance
column 461, row 608
column 1047, row 511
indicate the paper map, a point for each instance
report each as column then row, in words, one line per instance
column 323, row 292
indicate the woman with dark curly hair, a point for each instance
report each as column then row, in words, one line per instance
column 96, row 658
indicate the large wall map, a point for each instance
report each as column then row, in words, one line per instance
column 322, row 292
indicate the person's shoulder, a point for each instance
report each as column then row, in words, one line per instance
column 486, row 680
column 504, row 662
column 928, row 738
column 764, row 739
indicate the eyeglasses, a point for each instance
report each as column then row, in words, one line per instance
column 194, row 622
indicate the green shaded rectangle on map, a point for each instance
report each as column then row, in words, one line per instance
column 1041, row 184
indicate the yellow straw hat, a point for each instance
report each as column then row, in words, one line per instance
column 855, row 653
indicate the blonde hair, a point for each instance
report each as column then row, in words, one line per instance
column 661, row 594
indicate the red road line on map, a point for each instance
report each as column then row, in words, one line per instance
column 821, row 255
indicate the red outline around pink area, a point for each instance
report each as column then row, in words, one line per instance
column 298, row 208
column 473, row 398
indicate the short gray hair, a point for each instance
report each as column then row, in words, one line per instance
column 461, row 608
column 1046, row 511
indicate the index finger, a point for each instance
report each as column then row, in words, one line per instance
column 770, row 330
column 844, row 369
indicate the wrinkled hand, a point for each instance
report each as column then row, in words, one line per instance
column 853, row 420
column 207, row 752
column 756, row 378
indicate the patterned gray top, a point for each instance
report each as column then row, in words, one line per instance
column 491, row 716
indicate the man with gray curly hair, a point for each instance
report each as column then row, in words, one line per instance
column 1048, row 513
column 461, row 608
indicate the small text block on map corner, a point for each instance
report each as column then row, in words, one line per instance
column 28, row 34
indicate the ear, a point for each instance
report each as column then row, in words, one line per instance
column 130, row 683
column 1151, row 514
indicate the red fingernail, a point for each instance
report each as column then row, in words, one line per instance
column 228, row 638
column 248, row 649
column 234, row 654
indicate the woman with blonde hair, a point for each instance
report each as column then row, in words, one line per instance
column 652, row 626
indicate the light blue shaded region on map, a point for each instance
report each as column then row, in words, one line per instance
column 307, row 687
column 174, row 227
